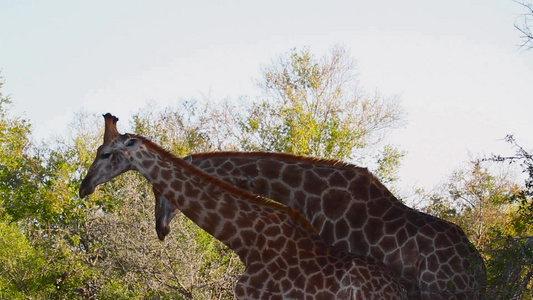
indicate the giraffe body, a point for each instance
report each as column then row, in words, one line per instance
column 284, row 256
column 354, row 212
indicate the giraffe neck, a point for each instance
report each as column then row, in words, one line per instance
column 303, row 183
column 239, row 219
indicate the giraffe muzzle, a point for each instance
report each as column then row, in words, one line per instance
column 86, row 187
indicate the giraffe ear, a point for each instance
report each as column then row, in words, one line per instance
column 132, row 144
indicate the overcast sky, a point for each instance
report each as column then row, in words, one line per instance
column 464, row 83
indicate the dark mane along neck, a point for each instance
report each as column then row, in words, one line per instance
column 291, row 158
column 181, row 163
column 277, row 156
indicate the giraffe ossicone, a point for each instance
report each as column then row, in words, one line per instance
column 354, row 212
column 284, row 256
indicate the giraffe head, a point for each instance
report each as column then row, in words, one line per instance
column 112, row 157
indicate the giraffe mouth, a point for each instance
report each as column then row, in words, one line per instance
column 86, row 188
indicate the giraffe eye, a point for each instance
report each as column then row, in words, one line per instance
column 105, row 155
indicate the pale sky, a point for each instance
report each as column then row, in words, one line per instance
column 464, row 83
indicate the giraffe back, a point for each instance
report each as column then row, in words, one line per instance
column 353, row 211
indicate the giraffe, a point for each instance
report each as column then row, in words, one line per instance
column 284, row 256
column 354, row 212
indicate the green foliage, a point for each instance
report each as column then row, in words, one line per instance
column 479, row 202
column 19, row 171
column 524, row 159
column 313, row 107
column 389, row 161
column 510, row 268
column 21, row 265
column 180, row 130
column 118, row 288
column 487, row 204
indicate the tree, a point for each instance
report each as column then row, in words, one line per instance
column 315, row 107
column 21, row 265
column 24, row 268
column 513, row 256
column 310, row 106
column 489, row 207
column 524, row 159
column 479, row 201
column 181, row 129
column 388, row 161
column 19, row 171
column 525, row 26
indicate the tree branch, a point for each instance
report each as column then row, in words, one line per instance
column 525, row 28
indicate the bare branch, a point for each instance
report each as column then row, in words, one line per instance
column 524, row 27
